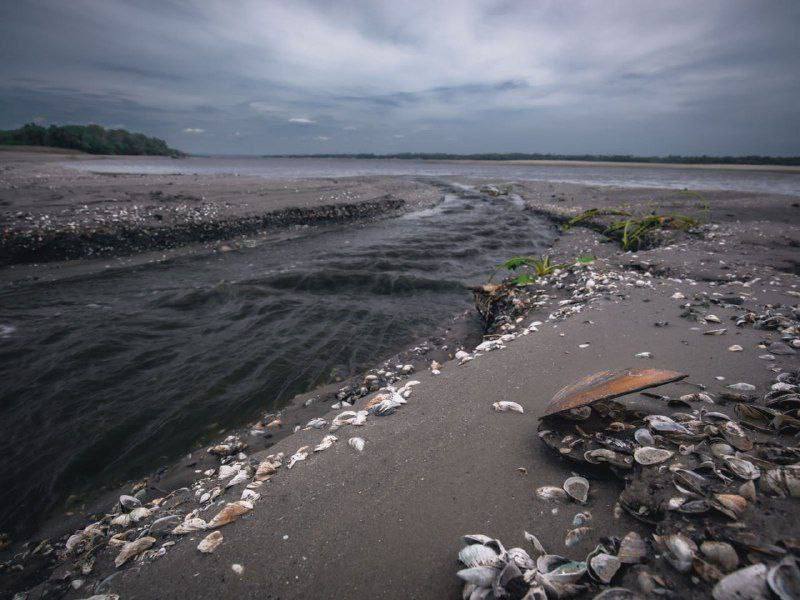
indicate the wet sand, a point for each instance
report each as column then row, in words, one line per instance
column 386, row 522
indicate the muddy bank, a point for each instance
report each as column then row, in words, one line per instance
column 60, row 244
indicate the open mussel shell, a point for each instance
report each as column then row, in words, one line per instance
column 520, row 558
column 649, row 455
column 632, row 549
column 577, row 488
column 784, row 579
column 602, row 565
column 690, row 483
column 604, row 455
column 749, row 583
column 743, row 469
column 643, row 437
column 606, row 385
column 679, row 550
column 731, row 505
column 480, row 576
column 478, row 555
column 559, row 569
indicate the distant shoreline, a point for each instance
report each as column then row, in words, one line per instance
column 654, row 165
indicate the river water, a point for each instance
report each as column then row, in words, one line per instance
column 107, row 376
column 621, row 175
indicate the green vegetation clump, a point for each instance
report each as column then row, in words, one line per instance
column 533, row 268
column 93, row 139
column 633, row 233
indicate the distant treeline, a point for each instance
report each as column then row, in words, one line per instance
column 620, row 158
column 93, row 139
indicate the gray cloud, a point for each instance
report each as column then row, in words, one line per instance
column 721, row 76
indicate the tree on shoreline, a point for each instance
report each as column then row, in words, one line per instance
column 92, row 139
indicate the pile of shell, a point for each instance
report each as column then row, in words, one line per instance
column 718, row 490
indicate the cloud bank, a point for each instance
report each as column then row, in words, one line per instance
column 715, row 77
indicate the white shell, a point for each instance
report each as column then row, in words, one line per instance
column 210, row 543
column 506, row 406
column 357, row 443
column 551, row 493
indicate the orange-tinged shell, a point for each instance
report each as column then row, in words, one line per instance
column 230, row 513
column 606, row 385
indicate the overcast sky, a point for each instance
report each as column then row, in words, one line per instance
column 239, row 76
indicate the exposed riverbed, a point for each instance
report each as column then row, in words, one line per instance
column 111, row 374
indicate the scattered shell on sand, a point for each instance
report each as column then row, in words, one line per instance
column 735, row 348
column 720, row 331
column 210, row 543
column 643, row 355
column 478, row 555
column 713, row 319
column 508, row 406
column 134, row 548
column 237, row 568
column 231, row 512
column 577, row 488
column 603, row 566
column 357, row 443
column 581, row 519
column 268, row 467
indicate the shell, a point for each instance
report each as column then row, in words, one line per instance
column 575, row 536
column 644, row 437
column 301, row 454
column 478, row 555
column 356, row 443
column 748, row 491
column 743, row 469
column 480, row 576
column 551, row 493
column 733, row 503
column 577, row 488
column 648, row 455
column 508, row 406
column 603, row 567
column 749, row 583
column 230, row 513
column 721, row 449
column 520, row 558
column 680, row 551
column 606, row 385
column 581, row 519
column 326, row 443
column 267, row 468
column 664, row 424
column 721, row 554
column 604, row 455
column 210, row 543
column 537, row 545
column 190, row 525
column 134, row 548
column 784, row 579
column 632, row 549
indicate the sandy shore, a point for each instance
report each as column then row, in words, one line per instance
column 386, row 522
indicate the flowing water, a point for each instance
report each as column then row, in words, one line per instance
column 106, row 376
